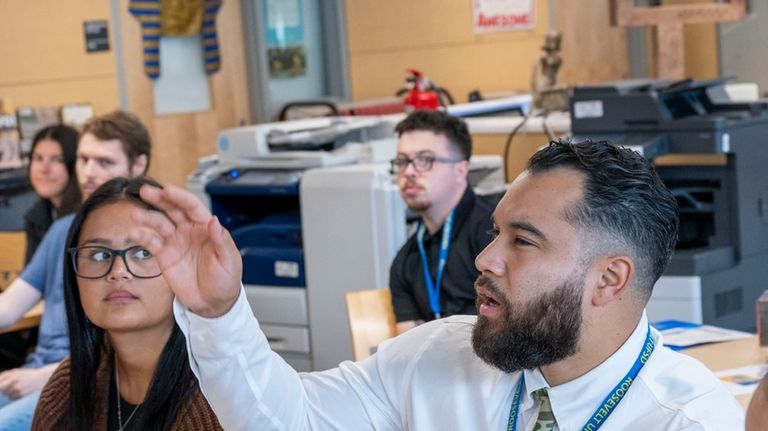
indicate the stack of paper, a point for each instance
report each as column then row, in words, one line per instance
column 680, row 335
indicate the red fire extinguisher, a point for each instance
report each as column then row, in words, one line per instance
column 421, row 95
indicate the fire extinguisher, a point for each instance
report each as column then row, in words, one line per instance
column 421, row 94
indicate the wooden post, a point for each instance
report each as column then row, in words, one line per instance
column 668, row 23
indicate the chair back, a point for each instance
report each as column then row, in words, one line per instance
column 371, row 320
column 12, row 247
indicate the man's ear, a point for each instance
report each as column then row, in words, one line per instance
column 462, row 169
column 139, row 166
column 616, row 273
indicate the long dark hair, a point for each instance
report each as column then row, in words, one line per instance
column 173, row 380
column 66, row 137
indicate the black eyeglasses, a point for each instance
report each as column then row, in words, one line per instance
column 95, row 261
column 421, row 163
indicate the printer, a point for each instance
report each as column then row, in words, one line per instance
column 712, row 154
column 314, row 209
column 253, row 185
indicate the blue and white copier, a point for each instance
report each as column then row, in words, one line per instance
column 315, row 212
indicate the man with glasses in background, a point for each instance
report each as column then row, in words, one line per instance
column 432, row 275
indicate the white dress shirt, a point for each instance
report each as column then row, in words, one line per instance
column 430, row 379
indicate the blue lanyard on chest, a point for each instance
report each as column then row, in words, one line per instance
column 609, row 403
column 433, row 286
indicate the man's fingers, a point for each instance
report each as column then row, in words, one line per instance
column 147, row 238
column 155, row 197
column 6, row 379
column 174, row 198
column 151, row 195
column 154, row 220
column 189, row 203
column 222, row 241
column 14, row 391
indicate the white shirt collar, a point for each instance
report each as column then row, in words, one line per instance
column 574, row 402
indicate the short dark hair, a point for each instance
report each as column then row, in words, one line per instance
column 440, row 123
column 173, row 382
column 66, row 137
column 625, row 202
column 126, row 128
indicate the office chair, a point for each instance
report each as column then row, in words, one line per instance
column 371, row 320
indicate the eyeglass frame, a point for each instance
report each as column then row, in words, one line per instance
column 72, row 251
column 395, row 169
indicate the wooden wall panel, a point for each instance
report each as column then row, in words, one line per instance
column 99, row 91
column 386, row 38
column 523, row 147
column 700, row 44
column 436, row 36
column 701, row 47
column 396, row 24
column 43, row 59
column 488, row 67
column 179, row 140
column 592, row 50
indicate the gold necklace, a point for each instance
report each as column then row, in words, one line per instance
column 120, row 425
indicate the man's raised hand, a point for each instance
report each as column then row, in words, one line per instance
column 197, row 256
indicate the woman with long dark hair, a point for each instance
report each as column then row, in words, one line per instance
column 52, row 175
column 128, row 368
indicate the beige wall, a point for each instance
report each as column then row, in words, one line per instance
column 179, row 140
column 47, row 63
column 387, row 37
column 43, row 62
column 436, row 36
column 42, row 55
column 593, row 51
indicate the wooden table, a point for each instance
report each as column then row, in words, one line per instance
column 731, row 354
column 30, row 320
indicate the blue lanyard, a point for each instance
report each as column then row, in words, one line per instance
column 433, row 287
column 609, row 403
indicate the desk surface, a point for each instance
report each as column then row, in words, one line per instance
column 731, row 354
column 30, row 320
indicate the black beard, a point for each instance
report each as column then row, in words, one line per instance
column 543, row 331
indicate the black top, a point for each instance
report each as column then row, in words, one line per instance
column 36, row 223
column 126, row 409
column 471, row 233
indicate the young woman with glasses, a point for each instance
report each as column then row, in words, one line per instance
column 128, row 368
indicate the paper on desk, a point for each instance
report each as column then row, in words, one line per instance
column 742, row 380
column 679, row 335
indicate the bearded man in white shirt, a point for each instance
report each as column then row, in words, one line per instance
column 561, row 341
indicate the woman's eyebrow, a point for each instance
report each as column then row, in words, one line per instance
column 97, row 241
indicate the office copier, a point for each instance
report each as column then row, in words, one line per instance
column 312, row 221
column 714, row 158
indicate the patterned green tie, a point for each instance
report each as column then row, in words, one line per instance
column 546, row 419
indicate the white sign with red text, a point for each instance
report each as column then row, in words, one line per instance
column 503, row 15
